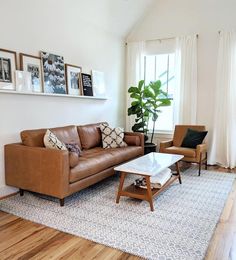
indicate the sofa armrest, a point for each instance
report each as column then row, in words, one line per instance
column 134, row 139
column 201, row 149
column 165, row 144
column 37, row 169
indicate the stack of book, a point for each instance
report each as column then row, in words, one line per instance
column 156, row 181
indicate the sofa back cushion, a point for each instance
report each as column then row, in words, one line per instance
column 90, row 135
column 181, row 130
column 66, row 134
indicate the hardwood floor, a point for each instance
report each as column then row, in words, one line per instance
column 22, row 239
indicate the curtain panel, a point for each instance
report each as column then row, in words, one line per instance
column 134, row 73
column 223, row 147
column 185, row 97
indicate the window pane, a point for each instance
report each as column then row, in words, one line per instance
column 161, row 69
column 150, row 69
column 158, row 67
column 171, row 75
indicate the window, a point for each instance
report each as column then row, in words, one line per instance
column 161, row 67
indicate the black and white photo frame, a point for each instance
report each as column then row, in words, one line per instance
column 7, row 69
column 32, row 64
column 53, row 73
column 73, row 74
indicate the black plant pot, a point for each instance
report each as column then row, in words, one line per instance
column 149, row 148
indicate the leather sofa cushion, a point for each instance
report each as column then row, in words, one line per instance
column 73, row 159
column 98, row 159
column 90, row 135
column 132, row 140
column 188, row 152
column 33, row 138
column 66, row 134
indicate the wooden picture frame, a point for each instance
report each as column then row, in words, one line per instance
column 33, row 64
column 8, row 66
column 73, row 78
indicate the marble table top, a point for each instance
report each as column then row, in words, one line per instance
column 150, row 164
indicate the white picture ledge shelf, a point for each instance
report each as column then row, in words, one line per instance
column 49, row 94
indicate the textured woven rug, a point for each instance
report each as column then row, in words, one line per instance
column 181, row 226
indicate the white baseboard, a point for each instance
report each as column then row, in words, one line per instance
column 7, row 190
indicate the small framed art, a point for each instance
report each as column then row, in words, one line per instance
column 7, row 69
column 86, row 82
column 99, row 89
column 53, row 73
column 23, row 81
column 73, row 79
column 32, row 64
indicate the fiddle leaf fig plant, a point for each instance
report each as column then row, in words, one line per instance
column 145, row 105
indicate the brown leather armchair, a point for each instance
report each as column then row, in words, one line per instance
column 198, row 155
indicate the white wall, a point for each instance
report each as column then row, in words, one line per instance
column 60, row 27
column 170, row 18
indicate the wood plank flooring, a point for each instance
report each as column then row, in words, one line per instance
column 22, row 239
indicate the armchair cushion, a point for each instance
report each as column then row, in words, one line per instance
column 193, row 138
column 187, row 152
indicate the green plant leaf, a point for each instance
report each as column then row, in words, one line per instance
column 133, row 90
column 135, row 103
column 140, row 85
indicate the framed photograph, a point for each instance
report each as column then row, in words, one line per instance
column 86, row 82
column 32, row 64
column 7, row 69
column 73, row 79
column 53, row 73
column 23, row 81
column 99, row 89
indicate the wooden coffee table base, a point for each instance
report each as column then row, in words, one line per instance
column 144, row 194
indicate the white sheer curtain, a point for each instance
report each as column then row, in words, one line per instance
column 185, row 98
column 223, row 148
column 135, row 72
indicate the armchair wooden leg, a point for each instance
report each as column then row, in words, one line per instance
column 21, row 192
column 206, row 162
column 200, row 165
column 62, row 202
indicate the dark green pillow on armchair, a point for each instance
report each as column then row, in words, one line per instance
column 193, row 138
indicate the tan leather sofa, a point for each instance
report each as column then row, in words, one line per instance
column 198, row 155
column 30, row 166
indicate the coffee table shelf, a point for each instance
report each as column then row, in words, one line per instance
column 133, row 191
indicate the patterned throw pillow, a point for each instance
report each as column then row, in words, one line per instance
column 73, row 147
column 112, row 137
column 51, row 141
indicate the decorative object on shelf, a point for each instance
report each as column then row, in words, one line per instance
column 53, row 73
column 87, row 87
column 98, row 80
column 73, row 79
column 145, row 106
column 32, row 64
column 7, row 69
column 23, row 81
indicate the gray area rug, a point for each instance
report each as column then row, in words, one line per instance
column 181, row 226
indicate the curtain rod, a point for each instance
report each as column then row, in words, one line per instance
column 163, row 39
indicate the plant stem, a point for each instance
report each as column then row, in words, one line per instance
column 153, row 129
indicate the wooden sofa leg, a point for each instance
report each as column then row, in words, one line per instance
column 21, row 192
column 62, row 202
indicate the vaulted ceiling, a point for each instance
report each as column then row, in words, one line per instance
column 115, row 16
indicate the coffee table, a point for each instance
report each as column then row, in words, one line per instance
column 147, row 166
